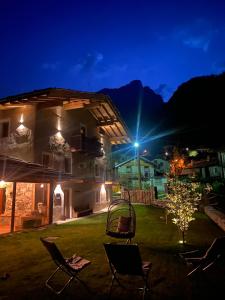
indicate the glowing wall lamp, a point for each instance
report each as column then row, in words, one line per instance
column 2, row 184
column 58, row 189
column 103, row 193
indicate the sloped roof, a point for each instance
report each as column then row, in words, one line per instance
column 133, row 159
column 99, row 105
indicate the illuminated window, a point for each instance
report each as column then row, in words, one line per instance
column 2, row 200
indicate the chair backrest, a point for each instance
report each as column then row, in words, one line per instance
column 53, row 251
column 125, row 258
column 217, row 248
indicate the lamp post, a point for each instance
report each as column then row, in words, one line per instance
column 136, row 145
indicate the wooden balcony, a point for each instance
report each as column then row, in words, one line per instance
column 86, row 145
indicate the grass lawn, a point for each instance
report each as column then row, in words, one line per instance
column 27, row 262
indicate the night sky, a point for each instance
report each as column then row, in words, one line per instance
column 90, row 45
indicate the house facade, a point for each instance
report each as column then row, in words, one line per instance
column 127, row 173
column 162, row 166
column 65, row 135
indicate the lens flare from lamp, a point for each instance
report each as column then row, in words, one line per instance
column 136, row 144
column 21, row 119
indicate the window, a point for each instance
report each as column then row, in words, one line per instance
column 47, row 160
column 83, row 130
column 128, row 169
column 97, row 196
column 82, row 165
column 2, row 200
column 68, row 165
column 4, row 129
column 97, row 171
column 146, row 172
column 58, row 162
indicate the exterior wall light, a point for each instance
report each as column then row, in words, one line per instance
column 103, row 193
column 2, row 184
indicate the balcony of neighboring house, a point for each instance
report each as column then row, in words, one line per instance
column 90, row 146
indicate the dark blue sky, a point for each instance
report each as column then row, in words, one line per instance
column 92, row 44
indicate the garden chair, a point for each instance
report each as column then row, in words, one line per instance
column 125, row 259
column 202, row 263
column 70, row 266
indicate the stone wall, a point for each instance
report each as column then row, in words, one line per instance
column 24, row 200
column 216, row 216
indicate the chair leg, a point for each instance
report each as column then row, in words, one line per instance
column 58, row 292
column 111, row 286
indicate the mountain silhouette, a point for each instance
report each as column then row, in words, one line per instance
column 196, row 112
column 136, row 102
column 193, row 116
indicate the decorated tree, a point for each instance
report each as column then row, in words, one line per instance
column 183, row 201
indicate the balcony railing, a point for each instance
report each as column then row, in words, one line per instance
column 83, row 144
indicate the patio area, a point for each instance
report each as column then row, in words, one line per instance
column 28, row 265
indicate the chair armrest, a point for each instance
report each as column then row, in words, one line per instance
column 211, row 263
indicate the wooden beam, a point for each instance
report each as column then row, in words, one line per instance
column 118, row 138
column 107, row 122
column 12, row 106
column 75, row 104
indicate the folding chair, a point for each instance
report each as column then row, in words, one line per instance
column 125, row 259
column 201, row 263
column 70, row 266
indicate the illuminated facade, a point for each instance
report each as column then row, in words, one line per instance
column 127, row 174
column 68, row 134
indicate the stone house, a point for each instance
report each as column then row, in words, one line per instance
column 55, row 155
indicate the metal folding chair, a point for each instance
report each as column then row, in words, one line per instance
column 70, row 266
column 201, row 263
column 125, row 259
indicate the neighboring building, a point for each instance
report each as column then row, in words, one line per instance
column 203, row 169
column 221, row 158
column 127, row 174
column 203, row 163
column 63, row 139
column 161, row 166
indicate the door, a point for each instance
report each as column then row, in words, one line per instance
column 67, row 205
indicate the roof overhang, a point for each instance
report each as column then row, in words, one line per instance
column 99, row 105
column 12, row 169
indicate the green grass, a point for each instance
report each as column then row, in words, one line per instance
column 27, row 262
